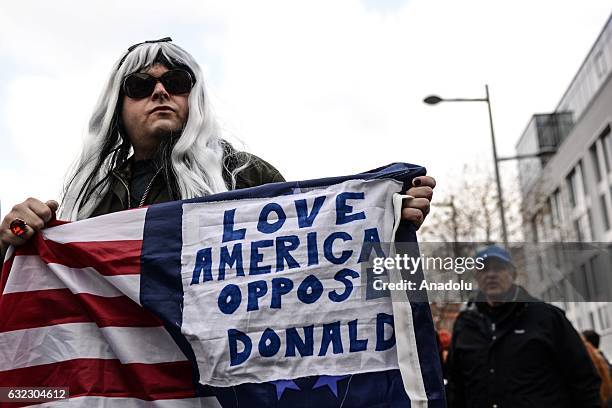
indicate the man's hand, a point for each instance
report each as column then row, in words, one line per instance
column 416, row 209
column 35, row 213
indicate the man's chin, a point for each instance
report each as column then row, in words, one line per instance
column 164, row 130
column 494, row 292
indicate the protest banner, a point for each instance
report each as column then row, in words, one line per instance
column 255, row 289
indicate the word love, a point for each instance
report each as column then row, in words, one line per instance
column 249, row 255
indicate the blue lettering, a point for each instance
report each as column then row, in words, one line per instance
column 229, row 299
column 269, row 344
column 310, row 289
column 263, row 225
column 202, row 265
column 383, row 344
column 343, row 210
column 256, row 289
column 301, row 207
column 227, row 259
column 280, row 287
column 355, row 343
column 341, row 276
column 328, row 248
column 371, row 240
column 313, row 251
column 284, row 245
column 234, row 336
column 229, row 234
column 331, row 334
column 294, row 341
column 256, row 257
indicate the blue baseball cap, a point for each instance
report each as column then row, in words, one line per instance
column 494, row 251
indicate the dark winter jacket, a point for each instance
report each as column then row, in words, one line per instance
column 257, row 172
column 519, row 354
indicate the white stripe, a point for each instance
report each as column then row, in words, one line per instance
column 119, row 226
column 407, row 350
column 30, row 273
column 143, row 344
column 9, row 253
column 104, row 402
column 62, row 342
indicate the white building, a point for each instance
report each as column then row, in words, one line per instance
column 567, row 196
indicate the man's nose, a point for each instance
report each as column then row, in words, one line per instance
column 159, row 92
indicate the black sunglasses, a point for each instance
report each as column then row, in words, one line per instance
column 141, row 85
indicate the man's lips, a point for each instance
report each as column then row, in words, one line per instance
column 491, row 284
column 162, row 109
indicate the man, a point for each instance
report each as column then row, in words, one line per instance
column 152, row 138
column 510, row 350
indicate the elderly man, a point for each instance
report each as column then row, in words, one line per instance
column 152, row 138
column 510, row 350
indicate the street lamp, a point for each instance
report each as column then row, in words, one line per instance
column 537, row 155
column 433, row 100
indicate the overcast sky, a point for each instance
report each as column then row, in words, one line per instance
column 317, row 88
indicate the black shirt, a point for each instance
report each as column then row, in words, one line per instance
column 143, row 172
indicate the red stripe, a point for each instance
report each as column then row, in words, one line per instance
column 108, row 378
column 4, row 273
column 55, row 223
column 28, row 248
column 25, row 310
column 107, row 257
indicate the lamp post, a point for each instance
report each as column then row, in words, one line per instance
column 434, row 100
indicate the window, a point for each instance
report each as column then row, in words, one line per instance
column 547, row 225
column 604, row 211
column 594, row 287
column 557, row 256
column 600, row 64
column 604, row 320
column 595, row 161
column 582, row 282
column 570, row 187
column 578, row 230
column 550, row 203
column 605, row 147
column 534, row 228
column 556, row 207
column 590, row 225
column 585, row 190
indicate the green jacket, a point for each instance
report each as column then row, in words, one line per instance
column 256, row 173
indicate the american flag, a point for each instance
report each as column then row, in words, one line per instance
column 70, row 316
column 75, row 312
